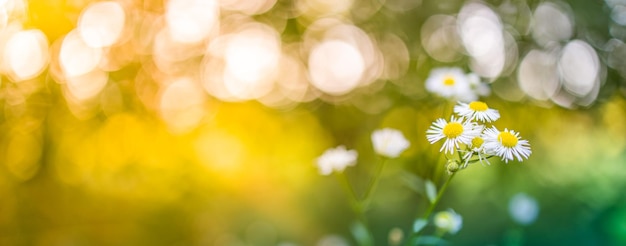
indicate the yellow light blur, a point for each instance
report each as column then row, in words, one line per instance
column 242, row 65
column 182, row 105
column 26, row 53
column 248, row 7
column 86, row 86
column 23, row 153
column 211, row 147
column 168, row 54
column 320, row 8
column 335, row 67
column 76, row 57
column 101, row 24
column 292, row 80
column 191, row 21
column 251, row 58
column 4, row 16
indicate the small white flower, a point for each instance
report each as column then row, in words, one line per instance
column 336, row 159
column 450, row 83
column 476, row 147
column 506, row 144
column 455, row 132
column 477, row 110
column 449, row 221
column 523, row 209
column 389, row 142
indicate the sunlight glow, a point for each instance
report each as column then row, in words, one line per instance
column 251, row 58
column 242, row 65
column 211, row 147
column 182, row 105
column 481, row 31
column 191, row 21
column 292, row 79
column 440, row 39
column 335, row 67
column 87, row 86
column 248, row 7
column 76, row 57
column 101, row 24
column 317, row 8
column 579, row 67
column 26, row 53
column 537, row 75
column 551, row 24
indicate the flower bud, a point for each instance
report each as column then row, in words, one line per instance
column 452, row 166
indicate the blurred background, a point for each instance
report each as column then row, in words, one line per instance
column 198, row 122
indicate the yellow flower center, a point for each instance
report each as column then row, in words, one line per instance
column 477, row 142
column 448, row 80
column 453, row 129
column 507, row 139
column 478, row 106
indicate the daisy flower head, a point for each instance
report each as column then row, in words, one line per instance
column 451, row 83
column 336, row 159
column 477, row 110
column 389, row 142
column 476, row 147
column 506, row 144
column 455, row 132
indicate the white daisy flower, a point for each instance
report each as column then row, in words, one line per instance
column 456, row 132
column 389, row 142
column 477, row 110
column 506, row 144
column 450, row 83
column 476, row 147
column 449, row 221
column 336, row 159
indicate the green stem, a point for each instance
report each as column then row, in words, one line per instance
column 373, row 183
column 433, row 205
column 345, row 183
column 355, row 203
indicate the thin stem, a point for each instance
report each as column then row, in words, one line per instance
column 433, row 205
column 345, row 183
column 355, row 203
column 373, row 183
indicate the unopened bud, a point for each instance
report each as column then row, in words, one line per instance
column 452, row 166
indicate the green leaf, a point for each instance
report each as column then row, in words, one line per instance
column 412, row 181
column 431, row 191
column 419, row 224
column 360, row 233
column 430, row 240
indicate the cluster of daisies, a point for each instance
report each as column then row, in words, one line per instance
column 452, row 83
column 471, row 134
